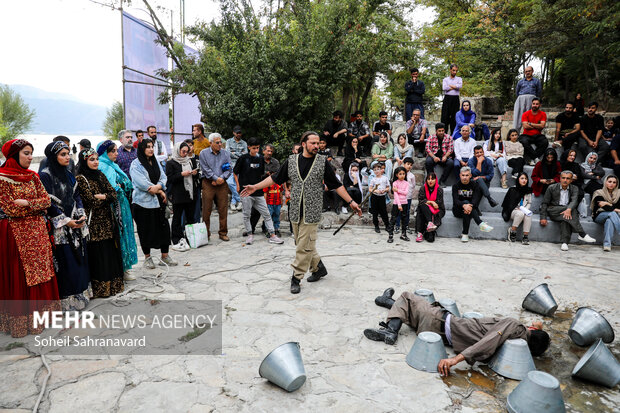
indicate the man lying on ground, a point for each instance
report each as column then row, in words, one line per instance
column 473, row 339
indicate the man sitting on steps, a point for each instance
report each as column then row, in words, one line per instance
column 473, row 339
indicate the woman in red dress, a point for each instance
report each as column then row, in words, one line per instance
column 27, row 281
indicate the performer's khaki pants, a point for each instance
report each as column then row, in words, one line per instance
column 306, row 256
column 416, row 312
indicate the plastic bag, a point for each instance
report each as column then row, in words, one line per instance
column 196, row 234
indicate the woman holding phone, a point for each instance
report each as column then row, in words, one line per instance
column 181, row 172
column 68, row 218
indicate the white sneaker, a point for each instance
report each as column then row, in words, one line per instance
column 484, row 227
column 149, row 264
column 274, row 239
column 586, row 238
column 250, row 239
column 344, row 210
column 607, row 248
column 168, row 261
column 178, row 247
column 564, row 247
column 239, row 206
column 186, row 246
column 127, row 276
column 233, row 207
column 464, row 238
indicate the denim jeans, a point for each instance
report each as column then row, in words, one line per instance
column 233, row 190
column 274, row 210
column 611, row 221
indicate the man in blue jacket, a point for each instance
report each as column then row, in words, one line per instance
column 415, row 94
column 482, row 172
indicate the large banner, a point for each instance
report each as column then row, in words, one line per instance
column 186, row 109
column 142, row 54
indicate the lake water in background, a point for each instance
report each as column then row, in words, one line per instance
column 41, row 141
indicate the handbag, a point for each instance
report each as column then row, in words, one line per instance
column 196, row 234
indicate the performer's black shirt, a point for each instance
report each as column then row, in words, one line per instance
column 330, row 178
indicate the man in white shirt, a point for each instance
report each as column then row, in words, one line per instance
column 161, row 153
column 451, row 101
column 463, row 149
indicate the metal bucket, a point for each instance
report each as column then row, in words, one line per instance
column 538, row 392
column 598, row 365
column 426, row 352
column 540, row 301
column 284, row 367
column 472, row 314
column 513, row 360
column 427, row 294
column 450, row 305
column 588, row 326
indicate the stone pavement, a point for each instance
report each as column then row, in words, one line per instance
column 346, row 372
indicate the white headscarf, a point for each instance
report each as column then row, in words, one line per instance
column 356, row 175
column 186, row 165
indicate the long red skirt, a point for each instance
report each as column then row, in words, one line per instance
column 17, row 300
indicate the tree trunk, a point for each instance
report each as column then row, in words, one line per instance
column 369, row 84
column 346, row 93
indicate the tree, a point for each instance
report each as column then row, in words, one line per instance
column 15, row 115
column 114, row 120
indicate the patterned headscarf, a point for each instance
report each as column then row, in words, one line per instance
column 12, row 169
column 103, row 147
column 63, row 181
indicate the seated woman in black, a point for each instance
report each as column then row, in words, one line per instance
column 430, row 209
column 353, row 153
column 567, row 160
column 353, row 184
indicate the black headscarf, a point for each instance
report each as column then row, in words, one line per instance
column 149, row 163
column 514, row 195
column 549, row 170
column 63, row 182
column 573, row 166
column 84, row 169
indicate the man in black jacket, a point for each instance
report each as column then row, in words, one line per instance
column 466, row 195
column 415, row 94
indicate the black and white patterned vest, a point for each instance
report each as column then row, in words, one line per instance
column 310, row 190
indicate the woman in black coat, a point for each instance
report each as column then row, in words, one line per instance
column 353, row 153
column 181, row 173
column 430, row 209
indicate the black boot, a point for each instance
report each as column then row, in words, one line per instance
column 388, row 333
column 385, row 300
column 295, row 288
column 319, row 273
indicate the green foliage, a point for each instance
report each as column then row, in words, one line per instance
column 114, row 120
column 15, row 115
column 277, row 72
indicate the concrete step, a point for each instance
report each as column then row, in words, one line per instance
column 451, row 227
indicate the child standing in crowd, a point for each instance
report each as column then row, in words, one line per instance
column 379, row 186
column 408, row 165
column 249, row 170
column 273, row 197
column 517, row 206
column 400, row 208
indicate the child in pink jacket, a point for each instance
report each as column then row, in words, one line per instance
column 400, row 207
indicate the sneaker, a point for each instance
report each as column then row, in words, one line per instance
column 556, row 144
column 233, row 207
column 512, row 235
column 390, row 239
column 178, row 247
column 484, row 227
column 185, row 245
column 464, row 238
column 504, row 184
column 431, row 227
column 239, row 206
column 127, row 276
column 409, row 231
column 564, row 247
column 525, row 240
column 168, row 261
column 492, row 202
column 404, row 237
column 532, row 163
column 607, row 248
column 250, row 239
column 420, row 237
column 377, row 230
column 149, row 264
column 586, row 238
column 397, row 228
column 274, row 239
column 344, row 210
column 244, row 234
column 515, row 176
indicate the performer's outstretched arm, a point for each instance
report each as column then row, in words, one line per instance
column 250, row 189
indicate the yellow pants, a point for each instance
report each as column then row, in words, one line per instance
column 306, row 256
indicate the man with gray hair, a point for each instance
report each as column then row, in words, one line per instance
column 527, row 89
column 127, row 152
column 463, row 149
column 466, row 195
column 216, row 169
column 558, row 204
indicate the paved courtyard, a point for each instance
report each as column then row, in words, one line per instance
column 346, row 372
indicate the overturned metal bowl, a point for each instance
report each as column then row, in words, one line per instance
column 472, row 314
column 284, row 367
column 540, row 301
column 588, row 326
column 450, row 305
column 427, row 351
column 513, row 360
column 598, row 365
column 538, row 392
column 427, row 294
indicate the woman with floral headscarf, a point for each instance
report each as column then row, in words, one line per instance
column 122, row 185
column 182, row 174
column 104, row 255
column 68, row 219
column 27, row 281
